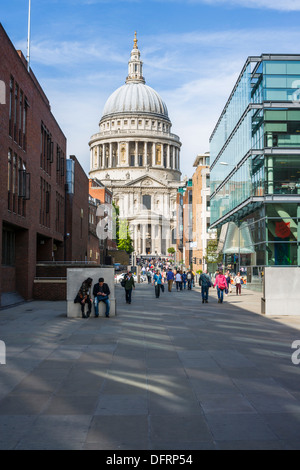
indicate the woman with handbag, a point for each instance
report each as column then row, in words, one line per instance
column 221, row 284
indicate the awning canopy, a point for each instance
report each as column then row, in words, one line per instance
column 238, row 239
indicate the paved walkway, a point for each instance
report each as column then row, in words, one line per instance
column 164, row 374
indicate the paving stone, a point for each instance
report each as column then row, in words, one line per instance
column 170, row 374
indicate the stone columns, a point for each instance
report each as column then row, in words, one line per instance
column 168, row 157
column 127, row 153
column 171, row 157
column 145, row 153
column 153, row 153
column 99, row 156
column 136, row 154
column 152, row 239
column 143, row 239
column 103, row 156
column 159, row 239
column 110, row 155
column 118, row 156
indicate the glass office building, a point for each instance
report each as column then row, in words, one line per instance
column 255, row 167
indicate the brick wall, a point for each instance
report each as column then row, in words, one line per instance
column 23, row 217
column 77, row 216
column 50, row 290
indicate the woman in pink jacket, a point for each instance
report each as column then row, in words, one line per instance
column 221, row 284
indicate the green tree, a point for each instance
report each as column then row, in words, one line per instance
column 123, row 238
column 171, row 250
column 213, row 256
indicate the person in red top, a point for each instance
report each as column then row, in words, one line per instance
column 221, row 284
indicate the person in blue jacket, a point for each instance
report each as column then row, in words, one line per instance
column 184, row 279
column 170, row 279
column 157, row 281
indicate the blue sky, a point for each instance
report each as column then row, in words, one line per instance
column 193, row 52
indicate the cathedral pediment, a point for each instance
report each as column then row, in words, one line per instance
column 146, row 181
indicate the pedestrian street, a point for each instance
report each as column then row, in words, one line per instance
column 163, row 374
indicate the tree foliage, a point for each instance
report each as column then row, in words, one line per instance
column 212, row 255
column 123, row 238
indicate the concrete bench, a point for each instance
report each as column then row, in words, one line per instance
column 76, row 276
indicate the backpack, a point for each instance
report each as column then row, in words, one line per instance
column 189, row 276
column 123, row 282
column 222, row 283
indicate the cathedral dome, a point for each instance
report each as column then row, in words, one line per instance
column 135, row 97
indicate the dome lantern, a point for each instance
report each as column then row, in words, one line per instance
column 135, row 65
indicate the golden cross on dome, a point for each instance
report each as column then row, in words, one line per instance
column 135, row 41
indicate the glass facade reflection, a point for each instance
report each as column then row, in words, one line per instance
column 255, row 169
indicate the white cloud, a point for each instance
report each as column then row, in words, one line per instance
column 281, row 5
column 194, row 83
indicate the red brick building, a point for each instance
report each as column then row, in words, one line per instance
column 77, row 212
column 102, row 197
column 33, row 167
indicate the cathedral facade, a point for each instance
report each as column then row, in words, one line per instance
column 136, row 156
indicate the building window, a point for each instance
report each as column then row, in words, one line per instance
column 46, row 149
column 20, row 117
column 25, row 110
column 45, row 192
column 9, row 179
column 8, row 247
column 131, row 160
column 16, row 112
column 147, row 201
column 11, row 87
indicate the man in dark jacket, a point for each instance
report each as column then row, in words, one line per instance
column 129, row 285
column 205, row 283
column 101, row 292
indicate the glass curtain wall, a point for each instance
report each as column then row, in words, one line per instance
column 255, row 153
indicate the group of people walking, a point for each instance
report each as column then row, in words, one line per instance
column 185, row 280
column 182, row 280
column 222, row 282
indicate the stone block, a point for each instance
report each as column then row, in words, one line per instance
column 281, row 291
column 76, row 276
